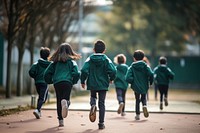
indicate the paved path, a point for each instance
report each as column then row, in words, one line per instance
column 181, row 116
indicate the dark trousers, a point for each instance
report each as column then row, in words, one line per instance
column 139, row 98
column 163, row 89
column 63, row 91
column 101, row 102
column 42, row 90
column 155, row 90
column 121, row 96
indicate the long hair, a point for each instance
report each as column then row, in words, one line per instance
column 63, row 53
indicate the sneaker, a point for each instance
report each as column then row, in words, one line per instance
column 61, row 123
column 92, row 114
column 64, row 108
column 161, row 106
column 166, row 101
column 101, row 126
column 145, row 111
column 123, row 113
column 37, row 114
column 137, row 117
column 121, row 105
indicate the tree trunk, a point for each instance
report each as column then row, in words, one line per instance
column 19, row 73
column 8, row 79
column 31, row 50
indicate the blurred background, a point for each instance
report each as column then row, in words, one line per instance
column 159, row 27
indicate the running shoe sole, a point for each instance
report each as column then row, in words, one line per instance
column 36, row 115
column 92, row 114
column 64, row 108
column 121, row 105
column 145, row 111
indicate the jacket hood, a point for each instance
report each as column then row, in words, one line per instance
column 163, row 68
column 43, row 63
column 139, row 65
column 98, row 58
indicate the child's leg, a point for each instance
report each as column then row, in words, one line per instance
column 156, row 90
column 144, row 103
column 119, row 95
column 124, row 99
column 42, row 90
column 120, row 100
column 160, row 87
column 137, row 104
column 143, row 99
column 93, row 97
column 161, row 93
column 101, row 104
column 58, row 102
column 165, row 88
column 63, row 91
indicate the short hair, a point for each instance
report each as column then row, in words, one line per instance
column 44, row 52
column 121, row 58
column 99, row 46
column 138, row 55
column 163, row 60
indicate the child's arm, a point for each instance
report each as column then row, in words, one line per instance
column 33, row 71
column 84, row 74
column 129, row 75
column 48, row 74
column 75, row 73
column 150, row 73
column 111, row 70
column 171, row 74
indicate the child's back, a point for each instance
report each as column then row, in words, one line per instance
column 98, row 70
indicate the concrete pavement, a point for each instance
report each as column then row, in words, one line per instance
column 179, row 102
column 181, row 116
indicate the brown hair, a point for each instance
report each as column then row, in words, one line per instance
column 138, row 55
column 63, row 53
column 99, row 46
column 44, row 52
column 120, row 59
column 163, row 60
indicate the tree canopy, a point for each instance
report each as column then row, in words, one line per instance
column 156, row 26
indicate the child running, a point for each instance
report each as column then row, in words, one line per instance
column 37, row 72
column 98, row 70
column 63, row 73
column 139, row 75
column 120, row 83
column 162, row 75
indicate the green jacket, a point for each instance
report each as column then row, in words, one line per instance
column 62, row 71
column 139, row 75
column 120, row 81
column 162, row 75
column 37, row 70
column 98, row 70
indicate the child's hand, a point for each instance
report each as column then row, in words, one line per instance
column 83, row 86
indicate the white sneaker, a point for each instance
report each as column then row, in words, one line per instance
column 37, row 114
column 123, row 113
column 64, row 108
column 137, row 117
column 61, row 123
